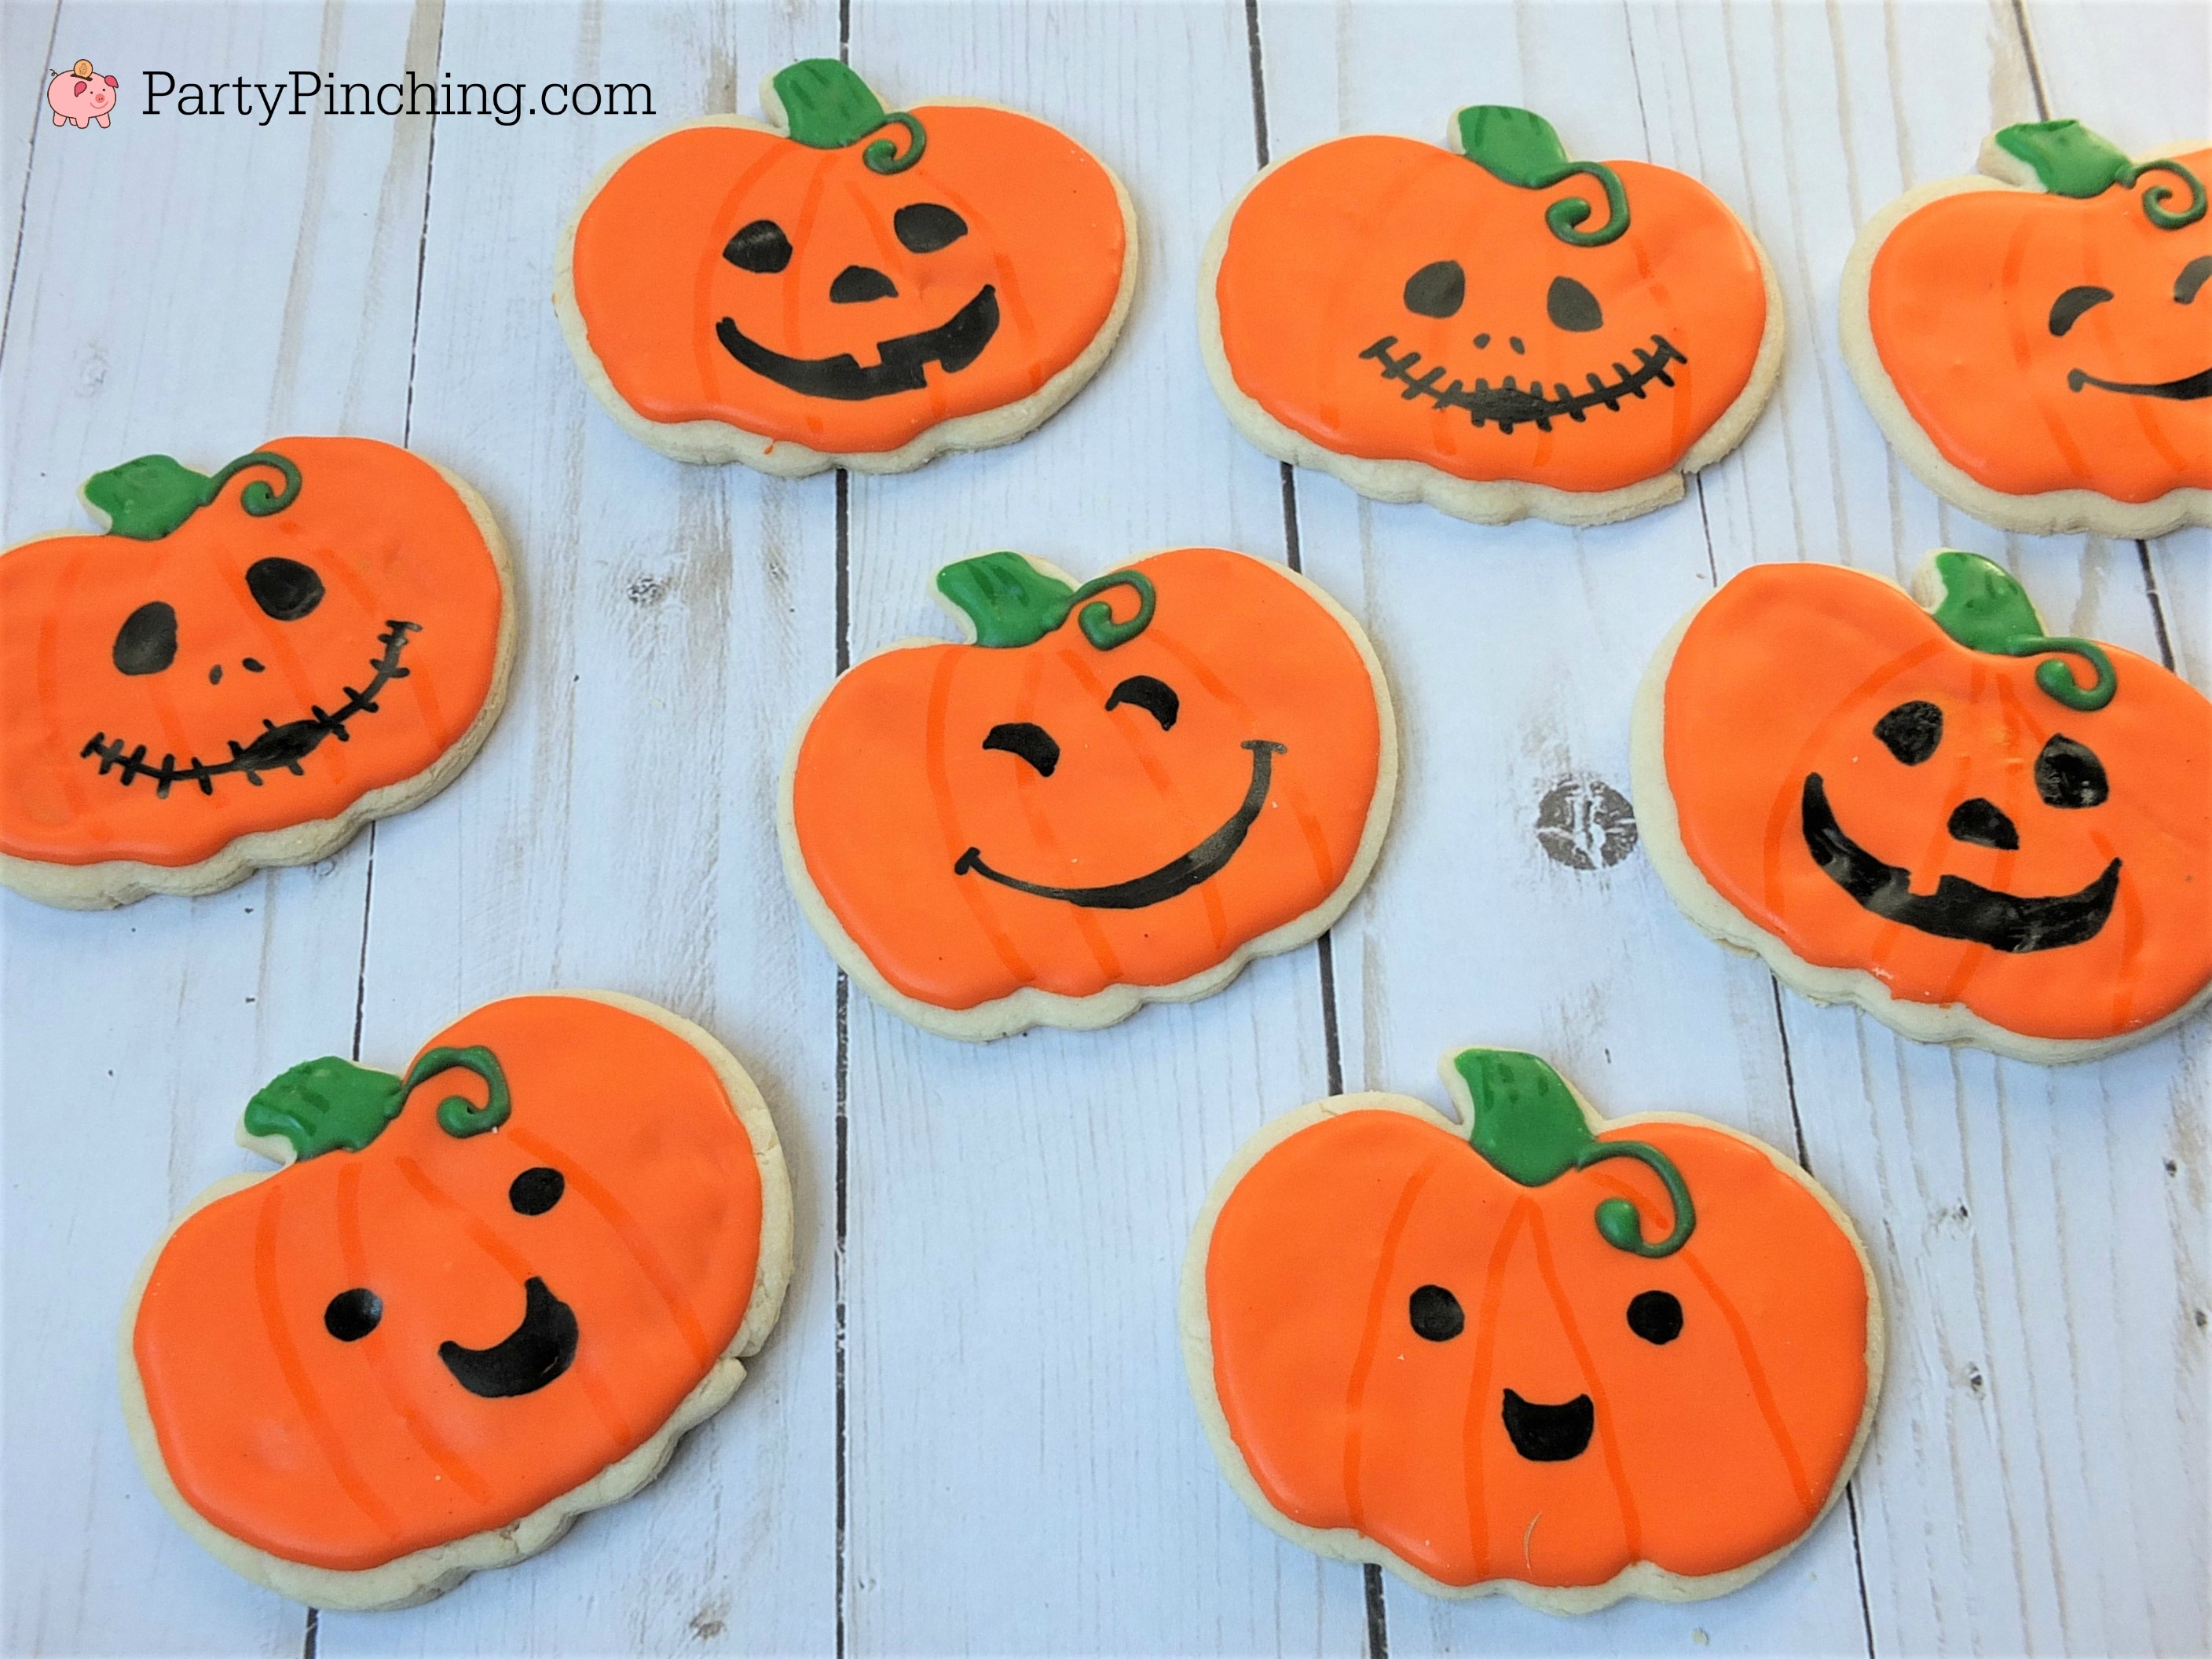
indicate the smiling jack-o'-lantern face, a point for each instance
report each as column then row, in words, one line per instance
column 1945, row 801
column 847, row 287
column 1534, row 1347
column 1495, row 311
column 476, row 1287
column 1112, row 792
column 321, row 619
column 2049, row 330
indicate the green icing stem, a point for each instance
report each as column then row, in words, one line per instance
column 2069, row 160
column 152, row 496
column 828, row 107
column 1984, row 609
column 2155, row 198
column 1617, row 1219
column 331, row 1104
column 1012, row 603
column 458, row 1115
column 1520, row 147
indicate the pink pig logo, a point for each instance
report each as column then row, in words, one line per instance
column 78, row 97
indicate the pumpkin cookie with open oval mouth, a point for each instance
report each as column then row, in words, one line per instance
column 1977, row 831
column 1536, row 1352
column 479, row 1298
column 1111, row 794
column 1493, row 327
column 244, row 669
column 850, row 287
column 2035, row 341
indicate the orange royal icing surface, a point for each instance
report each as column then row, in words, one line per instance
column 1044, row 230
column 1708, row 1451
column 893, row 784
column 389, row 540
column 347, row 1455
column 1786, row 671
column 1960, row 301
column 1314, row 272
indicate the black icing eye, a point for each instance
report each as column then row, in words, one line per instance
column 1656, row 1316
column 1032, row 743
column 924, row 226
column 858, row 285
column 1436, row 1313
column 536, row 1191
column 2068, row 775
column 1911, row 730
column 1437, row 291
column 1573, row 307
column 353, row 1314
column 1156, row 697
column 285, row 588
column 761, row 246
column 147, row 642
column 2192, row 277
column 2066, row 310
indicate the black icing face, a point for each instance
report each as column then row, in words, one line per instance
column 1541, row 1433
column 2068, row 775
column 146, row 643
column 2076, row 303
column 1656, row 1316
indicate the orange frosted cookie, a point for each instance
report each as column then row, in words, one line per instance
column 849, row 286
column 1976, row 831
column 1110, row 795
column 1493, row 327
column 244, row 669
column 2036, row 340
column 1540, row 1352
column 475, row 1302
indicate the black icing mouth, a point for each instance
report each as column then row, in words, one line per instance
column 1958, row 908
column 1549, row 1434
column 1178, row 875
column 278, row 748
column 952, row 345
column 531, row 1355
column 1511, row 405
column 2186, row 389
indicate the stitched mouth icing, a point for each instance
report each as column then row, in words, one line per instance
column 278, row 748
column 952, row 345
column 1511, row 405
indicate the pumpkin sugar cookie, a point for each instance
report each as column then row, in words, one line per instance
column 849, row 286
column 244, row 669
column 1492, row 328
column 477, row 1300
column 1537, row 1352
column 1977, row 832
column 2032, row 340
column 1110, row 795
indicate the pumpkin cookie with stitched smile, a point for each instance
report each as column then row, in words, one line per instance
column 849, row 286
column 1536, row 1352
column 477, row 1299
column 2035, row 341
column 1493, row 327
column 1977, row 831
column 1111, row 794
column 244, row 669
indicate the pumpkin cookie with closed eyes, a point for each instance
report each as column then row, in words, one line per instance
column 244, row 669
column 849, row 286
column 479, row 1298
column 1491, row 327
column 1975, row 830
column 2035, row 340
column 1536, row 1352
column 1109, row 795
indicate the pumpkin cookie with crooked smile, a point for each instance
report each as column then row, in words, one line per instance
column 2036, row 341
column 244, row 669
column 1492, row 328
column 1111, row 794
column 850, row 287
column 1976, row 831
column 1536, row 1352
column 478, row 1299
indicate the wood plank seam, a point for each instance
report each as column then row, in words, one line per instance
column 23, row 202
column 842, row 541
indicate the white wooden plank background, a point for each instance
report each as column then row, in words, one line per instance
column 971, row 1433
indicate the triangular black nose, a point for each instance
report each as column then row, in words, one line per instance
column 1984, row 824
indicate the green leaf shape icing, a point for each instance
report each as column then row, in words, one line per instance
column 1012, row 603
column 1520, row 147
column 151, row 497
column 323, row 1105
column 2067, row 159
column 828, row 107
column 1984, row 609
column 1524, row 1120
